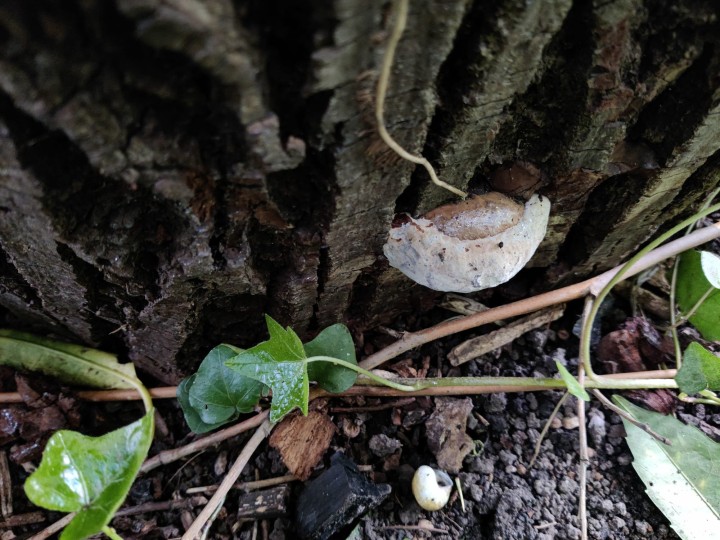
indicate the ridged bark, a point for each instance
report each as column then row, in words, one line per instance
column 170, row 170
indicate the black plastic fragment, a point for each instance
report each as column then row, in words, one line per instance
column 335, row 499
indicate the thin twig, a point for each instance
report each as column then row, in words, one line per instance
column 374, row 408
column 19, row 520
column 168, row 456
column 160, row 506
column 382, row 87
column 227, row 483
column 48, row 531
column 584, row 460
column 546, row 428
column 411, row 340
column 410, row 528
column 625, row 416
column 247, row 486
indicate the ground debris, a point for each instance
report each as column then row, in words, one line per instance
column 335, row 499
column 302, row 441
column 446, row 432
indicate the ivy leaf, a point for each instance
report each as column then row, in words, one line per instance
column 280, row 364
column 697, row 273
column 334, row 341
column 68, row 363
column 219, row 394
column 89, row 475
column 192, row 418
column 572, row 383
column 679, row 478
column 700, row 370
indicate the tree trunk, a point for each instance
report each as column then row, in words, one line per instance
column 170, row 170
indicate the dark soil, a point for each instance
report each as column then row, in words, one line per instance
column 504, row 499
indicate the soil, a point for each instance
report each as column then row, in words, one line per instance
column 504, row 498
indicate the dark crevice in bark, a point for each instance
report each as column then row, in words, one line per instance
column 12, row 282
column 102, row 301
column 224, row 147
column 288, row 31
column 683, row 106
column 673, row 30
column 456, row 83
column 604, row 203
column 83, row 204
column 545, row 116
column 235, row 319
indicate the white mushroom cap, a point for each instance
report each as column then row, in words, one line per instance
column 433, row 258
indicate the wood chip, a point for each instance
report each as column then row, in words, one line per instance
column 6, row 498
column 480, row 345
column 302, row 441
column 270, row 503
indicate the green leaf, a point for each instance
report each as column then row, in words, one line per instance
column 572, row 383
column 681, row 478
column 334, row 341
column 700, row 370
column 90, row 475
column 280, row 364
column 219, row 394
column 692, row 284
column 192, row 418
column 72, row 364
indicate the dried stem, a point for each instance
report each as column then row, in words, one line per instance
column 232, row 475
column 168, row 456
column 625, row 416
column 546, row 428
column 584, row 459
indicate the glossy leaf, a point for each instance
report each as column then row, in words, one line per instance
column 280, row 364
column 192, row 418
column 680, row 478
column 700, row 370
column 334, row 341
column 711, row 268
column 90, row 475
column 219, row 394
column 692, row 284
column 572, row 383
column 68, row 363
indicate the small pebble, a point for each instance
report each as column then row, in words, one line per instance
column 570, row 422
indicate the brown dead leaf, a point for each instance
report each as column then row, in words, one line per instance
column 636, row 346
column 302, row 441
column 446, row 432
column 661, row 400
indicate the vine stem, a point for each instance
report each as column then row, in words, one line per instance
column 412, row 340
column 110, row 532
column 673, row 288
column 517, row 382
column 626, row 271
column 382, row 87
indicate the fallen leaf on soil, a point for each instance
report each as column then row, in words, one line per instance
column 661, row 400
column 302, row 441
column 446, row 432
column 636, row 346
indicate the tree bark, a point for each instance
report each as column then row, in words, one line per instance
column 170, row 170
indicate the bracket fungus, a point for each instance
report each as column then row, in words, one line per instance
column 472, row 245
